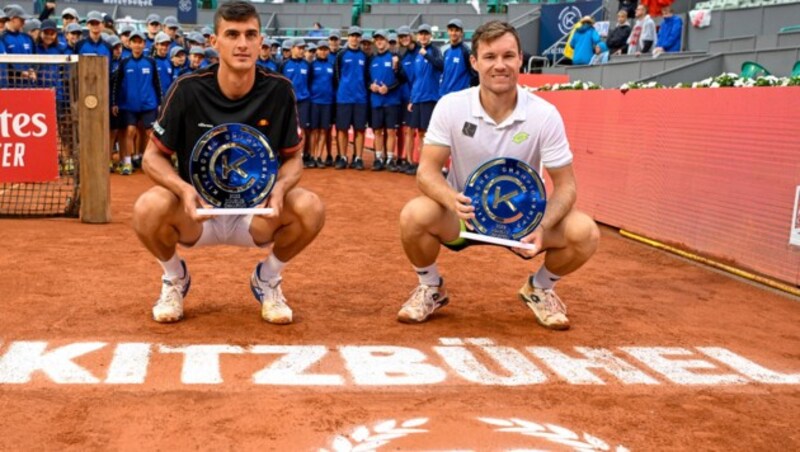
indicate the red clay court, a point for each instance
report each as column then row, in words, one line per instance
column 663, row 354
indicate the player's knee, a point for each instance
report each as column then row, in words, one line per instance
column 152, row 207
column 417, row 214
column 309, row 209
column 583, row 234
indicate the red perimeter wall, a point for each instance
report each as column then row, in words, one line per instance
column 711, row 170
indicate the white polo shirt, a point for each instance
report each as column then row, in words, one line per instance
column 533, row 133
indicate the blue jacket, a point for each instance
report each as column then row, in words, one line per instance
column 52, row 75
column 266, row 64
column 136, row 85
column 350, row 75
column 298, row 71
column 322, row 82
column 427, row 74
column 165, row 74
column 17, row 43
column 407, row 62
column 3, row 67
column 669, row 35
column 584, row 41
column 88, row 47
column 458, row 73
column 382, row 73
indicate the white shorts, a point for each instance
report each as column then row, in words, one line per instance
column 227, row 230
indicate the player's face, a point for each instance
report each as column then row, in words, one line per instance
column 137, row 46
column 405, row 40
column 424, row 38
column 117, row 51
column 126, row 40
column 49, row 37
column 266, row 52
column 179, row 59
column 153, row 28
column 456, row 34
column 298, row 52
column 162, row 49
column 238, row 44
column 72, row 38
column 381, row 44
column 195, row 60
column 353, row 41
column 334, row 43
column 498, row 64
column 322, row 53
column 95, row 27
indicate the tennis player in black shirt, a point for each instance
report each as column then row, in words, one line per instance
column 233, row 91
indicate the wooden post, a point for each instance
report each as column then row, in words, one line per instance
column 93, row 136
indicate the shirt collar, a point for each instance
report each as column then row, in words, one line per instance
column 517, row 115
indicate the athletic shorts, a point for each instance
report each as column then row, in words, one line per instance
column 321, row 116
column 351, row 115
column 227, row 230
column 421, row 115
column 115, row 122
column 461, row 243
column 133, row 118
column 304, row 114
column 385, row 117
column 405, row 115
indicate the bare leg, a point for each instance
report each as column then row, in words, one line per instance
column 300, row 221
column 424, row 225
column 160, row 223
column 341, row 143
column 359, row 143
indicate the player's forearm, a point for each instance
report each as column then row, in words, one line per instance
column 559, row 205
column 159, row 168
column 433, row 185
column 289, row 173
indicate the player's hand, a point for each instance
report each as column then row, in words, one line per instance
column 374, row 87
column 274, row 202
column 464, row 209
column 534, row 238
column 383, row 89
column 115, row 110
column 422, row 51
column 191, row 200
column 395, row 62
column 410, row 107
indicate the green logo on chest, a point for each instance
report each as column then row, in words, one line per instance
column 520, row 137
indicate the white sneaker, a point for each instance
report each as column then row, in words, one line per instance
column 169, row 306
column 273, row 304
column 550, row 311
column 424, row 301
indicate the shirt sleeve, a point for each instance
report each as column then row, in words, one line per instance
column 438, row 133
column 553, row 144
column 168, row 129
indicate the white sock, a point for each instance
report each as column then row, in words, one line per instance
column 545, row 279
column 379, row 155
column 173, row 267
column 127, row 160
column 390, row 156
column 429, row 275
column 271, row 269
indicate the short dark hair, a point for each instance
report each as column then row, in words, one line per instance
column 236, row 11
column 491, row 31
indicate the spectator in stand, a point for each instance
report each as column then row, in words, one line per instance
column 265, row 57
column 94, row 44
column 135, row 97
column 351, row 75
column 196, row 57
column 617, row 40
column 68, row 16
column 317, row 31
column 73, row 33
column 629, row 6
column 428, row 66
column 298, row 70
column 163, row 63
column 654, row 7
column 32, row 28
column 153, row 28
column 643, row 35
column 669, row 35
column 408, row 49
column 16, row 42
column 458, row 73
column 385, row 80
column 334, row 42
column 322, row 100
column 585, row 42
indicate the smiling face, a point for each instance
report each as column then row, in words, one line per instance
column 424, row 38
column 456, row 34
column 238, row 44
column 381, row 44
column 497, row 63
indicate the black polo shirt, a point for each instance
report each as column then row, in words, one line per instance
column 195, row 103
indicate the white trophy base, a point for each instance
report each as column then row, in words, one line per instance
column 243, row 211
column 497, row 241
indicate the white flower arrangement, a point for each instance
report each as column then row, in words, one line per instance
column 577, row 85
column 724, row 80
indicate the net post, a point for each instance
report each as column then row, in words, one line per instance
column 93, row 122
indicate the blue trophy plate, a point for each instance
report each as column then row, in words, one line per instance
column 509, row 198
column 233, row 167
